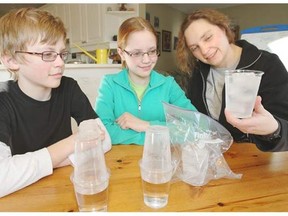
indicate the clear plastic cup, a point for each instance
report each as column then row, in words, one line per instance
column 157, row 144
column 156, row 166
column 241, row 88
column 91, row 176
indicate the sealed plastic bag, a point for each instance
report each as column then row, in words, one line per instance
column 198, row 144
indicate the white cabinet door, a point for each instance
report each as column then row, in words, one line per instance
column 63, row 14
column 76, row 23
column 86, row 23
column 93, row 22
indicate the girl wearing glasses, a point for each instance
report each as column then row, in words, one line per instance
column 36, row 108
column 131, row 100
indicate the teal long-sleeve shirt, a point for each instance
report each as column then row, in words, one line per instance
column 115, row 97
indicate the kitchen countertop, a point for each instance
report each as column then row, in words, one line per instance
column 76, row 70
column 93, row 66
column 2, row 67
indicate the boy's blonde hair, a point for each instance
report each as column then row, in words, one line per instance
column 26, row 26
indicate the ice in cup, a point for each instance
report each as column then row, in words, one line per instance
column 241, row 88
column 156, row 167
column 91, row 176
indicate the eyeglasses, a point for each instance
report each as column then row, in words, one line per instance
column 151, row 53
column 48, row 56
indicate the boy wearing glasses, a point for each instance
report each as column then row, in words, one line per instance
column 130, row 101
column 36, row 107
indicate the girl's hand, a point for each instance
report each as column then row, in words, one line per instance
column 128, row 121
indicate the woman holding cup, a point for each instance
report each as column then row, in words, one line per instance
column 206, row 49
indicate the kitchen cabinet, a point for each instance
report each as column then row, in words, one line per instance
column 85, row 23
column 92, row 25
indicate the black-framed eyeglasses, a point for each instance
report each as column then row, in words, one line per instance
column 138, row 54
column 48, row 56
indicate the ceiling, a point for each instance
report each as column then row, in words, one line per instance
column 186, row 8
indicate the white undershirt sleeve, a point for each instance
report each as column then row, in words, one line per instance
column 106, row 143
column 19, row 171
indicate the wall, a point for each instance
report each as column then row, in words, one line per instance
column 169, row 20
column 251, row 15
column 245, row 15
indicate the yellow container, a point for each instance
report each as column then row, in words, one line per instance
column 102, row 56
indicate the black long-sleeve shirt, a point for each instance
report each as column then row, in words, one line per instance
column 28, row 125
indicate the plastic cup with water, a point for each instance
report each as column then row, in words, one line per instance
column 156, row 167
column 91, row 176
column 155, row 183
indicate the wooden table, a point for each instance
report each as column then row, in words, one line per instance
column 263, row 187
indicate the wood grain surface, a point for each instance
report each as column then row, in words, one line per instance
column 263, row 186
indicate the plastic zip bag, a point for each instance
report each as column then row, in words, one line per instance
column 198, row 143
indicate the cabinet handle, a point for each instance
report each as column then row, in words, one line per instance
column 83, row 42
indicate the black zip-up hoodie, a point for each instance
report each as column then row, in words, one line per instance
column 273, row 90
